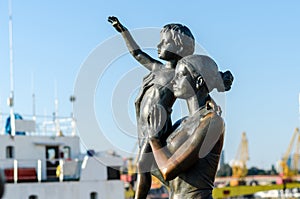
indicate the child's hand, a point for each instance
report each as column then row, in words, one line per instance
column 116, row 23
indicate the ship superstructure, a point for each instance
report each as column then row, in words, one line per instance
column 51, row 165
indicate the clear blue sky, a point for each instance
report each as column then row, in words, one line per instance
column 258, row 41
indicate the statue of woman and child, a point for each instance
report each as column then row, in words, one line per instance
column 184, row 155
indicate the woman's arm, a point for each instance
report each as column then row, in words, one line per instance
column 133, row 47
column 171, row 165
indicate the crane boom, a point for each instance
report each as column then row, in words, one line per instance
column 287, row 170
column 289, row 149
column 239, row 167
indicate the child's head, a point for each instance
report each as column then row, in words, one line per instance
column 177, row 39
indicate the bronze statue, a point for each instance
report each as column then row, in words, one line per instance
column 176, row 41
column 190, row 159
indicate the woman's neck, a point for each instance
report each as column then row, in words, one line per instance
column 196, row 101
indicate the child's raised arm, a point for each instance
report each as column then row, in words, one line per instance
column 133, row 47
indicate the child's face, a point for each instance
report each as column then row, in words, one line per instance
column 166, row 48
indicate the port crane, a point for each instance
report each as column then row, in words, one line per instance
column 290, row 170
column 239, row 167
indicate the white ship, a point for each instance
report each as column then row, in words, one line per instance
column 50, row 165
column 43, row 160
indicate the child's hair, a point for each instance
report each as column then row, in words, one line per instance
column 182, row 37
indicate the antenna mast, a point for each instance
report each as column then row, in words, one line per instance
column 33, row 99
column 10, row 100
column 299, row 107
column 56, row 120
column 1, row 118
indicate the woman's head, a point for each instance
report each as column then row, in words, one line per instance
column 197, row 72
column 179, row 37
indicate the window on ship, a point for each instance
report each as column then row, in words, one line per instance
column 10, row 152
column 67, row 152
column 94, row 195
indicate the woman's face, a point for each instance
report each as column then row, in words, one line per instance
column 184, row 85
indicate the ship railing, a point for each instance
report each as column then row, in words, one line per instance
column 38, row 170
column 41, row 125
column 63, row 169
column 22, row 170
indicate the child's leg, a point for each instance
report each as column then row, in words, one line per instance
column 144, row 165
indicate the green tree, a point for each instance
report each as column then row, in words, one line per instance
column 225, row 170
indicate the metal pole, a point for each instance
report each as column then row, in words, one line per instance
column 299, row 108
column 15, row 171
column 11, row 96
column 73, row 123
column 39, row 169
column 57, row 126
column 1, row 119
column 33, row 98
column 61, row 174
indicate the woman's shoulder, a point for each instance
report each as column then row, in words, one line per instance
column 212, row 116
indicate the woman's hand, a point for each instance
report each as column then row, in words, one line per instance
column 116, row 23
column 156, row 120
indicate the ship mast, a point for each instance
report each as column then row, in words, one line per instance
column 299, row 107
column 10, row 100
column 33, row 99
column 56, row 120
column 1, row 118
